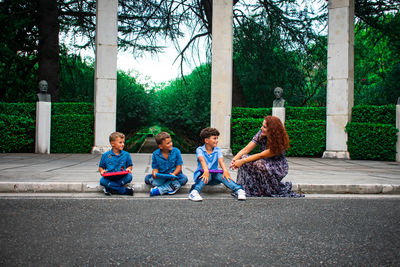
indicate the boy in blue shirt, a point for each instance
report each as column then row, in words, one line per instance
column 167, row 176
column 116, row 160
column 208, row 157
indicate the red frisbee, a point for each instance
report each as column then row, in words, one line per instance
column 115, row 173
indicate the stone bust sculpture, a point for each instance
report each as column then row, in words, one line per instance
column 279, row 101
column 43, row 95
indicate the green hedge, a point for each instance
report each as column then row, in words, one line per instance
column 72, row 133
column 371, row 141
column 71, row 127
column 18, row 109
column 17, row 133
column 374, row 114
column 239, row 112
column 243, row 130
column 79, row 108
column 307, row 138
column 306, row 113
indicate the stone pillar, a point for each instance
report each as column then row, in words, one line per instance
column 340, row 89
column 280, row 113
column 105, row 83
column 398, row 133
column 221, row 75
column 43, row 127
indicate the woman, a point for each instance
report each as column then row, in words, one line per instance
column 261, row 174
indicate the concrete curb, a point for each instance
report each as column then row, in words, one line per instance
column 57, row 187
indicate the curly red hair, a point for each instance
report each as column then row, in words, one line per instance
column 277, row 137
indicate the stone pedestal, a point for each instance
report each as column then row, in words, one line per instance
column 105, row 74
column 340, row 88
column 398, row 133
column 280, row 113
column 221, row 75
column 43, row 127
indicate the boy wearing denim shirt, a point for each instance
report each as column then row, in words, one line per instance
column 116, row 160
column 166, row 160
column 208, row 158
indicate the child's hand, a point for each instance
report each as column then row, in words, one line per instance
column 173, row 175
column 102, row 172
column 129, row 170
column 205, row 177
column 227, row 175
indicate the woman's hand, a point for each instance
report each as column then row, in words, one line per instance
column 232, row 165
column 237, row 163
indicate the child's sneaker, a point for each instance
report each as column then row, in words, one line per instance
column 154, row 192
column 106, row 192
column 195, row 196
column 129, row 191
column 240, row 194
column 173, row 189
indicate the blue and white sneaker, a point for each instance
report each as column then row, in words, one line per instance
column 106, row 192
column 195, row 196
column 154, row 192
column 173, row 190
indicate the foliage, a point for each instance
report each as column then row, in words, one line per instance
column 17, row 133
column 306, row 113
column 81, row 108
column 239, row 112
column 133, row 103
column 307, row 138
column 243, row 130
column 72, row 133
column 374, row 114
column 185, row 106
column 19, row 109
column 371, row 141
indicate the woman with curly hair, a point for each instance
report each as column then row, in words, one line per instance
column 261, row 174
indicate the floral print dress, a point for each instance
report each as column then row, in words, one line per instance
column 262, row 178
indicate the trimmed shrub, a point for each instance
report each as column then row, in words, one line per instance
column 18, row 109
column 371, row 141
column 306, row 113
column 80, row 108
column 72, row 133
column 374, row 114
column 239, row 112
column 17, row 134
column 307, row 138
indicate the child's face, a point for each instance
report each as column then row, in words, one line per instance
column 166, row 144
column 212, row 141
column 118, row 143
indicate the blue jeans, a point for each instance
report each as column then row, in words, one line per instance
column 116, row 186
column 214, row 179
column 166, row 185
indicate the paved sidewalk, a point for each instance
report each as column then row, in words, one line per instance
column 78, row 173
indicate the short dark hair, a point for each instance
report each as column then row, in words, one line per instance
column 208, row 132
column 116, row 135
column 161, row 136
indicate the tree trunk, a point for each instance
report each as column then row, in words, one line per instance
column 49, row 60
column 238, row 99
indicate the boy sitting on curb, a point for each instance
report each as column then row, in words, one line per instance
column 167, row 176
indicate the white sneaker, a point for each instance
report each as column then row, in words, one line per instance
column 241, row 194
column 195, row 196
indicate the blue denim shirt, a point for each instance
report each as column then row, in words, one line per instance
column 211, row 159
column 115, row 163
column 164, row 165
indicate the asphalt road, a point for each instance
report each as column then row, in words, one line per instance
column 216, row 232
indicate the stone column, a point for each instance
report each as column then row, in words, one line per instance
column 105, row 83
column 398, row 133
column 221, row 75
column 43, row 127
column 340, row 89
